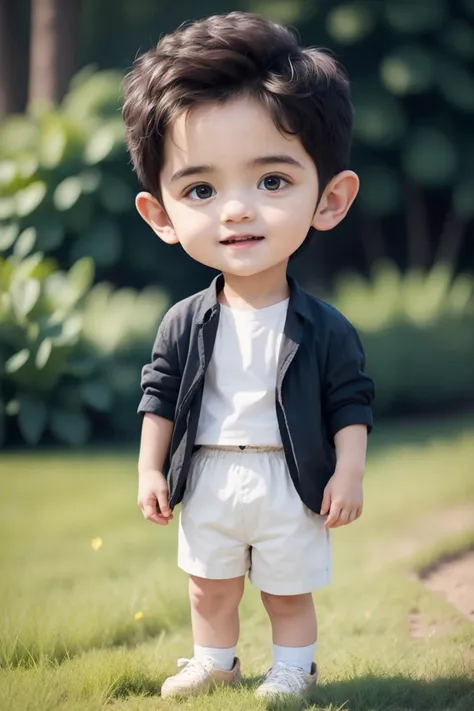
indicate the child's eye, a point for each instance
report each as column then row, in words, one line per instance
column 273, row 182
column 200, row 192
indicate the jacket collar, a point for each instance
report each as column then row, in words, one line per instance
column 299, row 300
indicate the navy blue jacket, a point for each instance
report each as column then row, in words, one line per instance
column 321, row 385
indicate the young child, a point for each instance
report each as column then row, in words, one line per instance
column 256, row 405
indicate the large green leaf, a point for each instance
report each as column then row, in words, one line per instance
column 67, row 193
column 43, row 353
column 69, row 426
column 105, row 141
column 93, row 94
column 70, row 332
column 53, row 141
column 30, row 198
column 17, row 134
column 7, row 173
column 81, row 276
column 7, row 208
column 32, row 418
column 25, row 243
column 6, row 273
column 25, row 295
column 28, row 267
column 8, row 235
column 17, row 361
column 62, row 295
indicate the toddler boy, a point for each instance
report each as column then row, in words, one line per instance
column 256, row 405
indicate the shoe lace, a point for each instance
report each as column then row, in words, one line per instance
column 193, row 666
column 282, row 675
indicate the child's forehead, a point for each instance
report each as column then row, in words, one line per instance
column 239, row 130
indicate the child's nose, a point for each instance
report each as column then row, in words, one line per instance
column 237, row 210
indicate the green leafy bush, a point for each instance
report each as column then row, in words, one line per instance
column 65, row 171
column 418, row 333
column 69, row 354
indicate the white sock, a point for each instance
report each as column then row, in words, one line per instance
column 221, row 658
column 301, row 657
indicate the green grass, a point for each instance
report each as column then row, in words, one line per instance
column 69, row 640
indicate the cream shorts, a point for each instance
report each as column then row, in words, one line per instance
column 241, row 513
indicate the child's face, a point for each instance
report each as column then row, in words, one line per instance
column 243, row 178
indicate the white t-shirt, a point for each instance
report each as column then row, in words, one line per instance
column 238, row 405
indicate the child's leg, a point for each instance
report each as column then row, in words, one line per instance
column 294, row 629
column 215, row 622
column 293, row 619
column 215, row 611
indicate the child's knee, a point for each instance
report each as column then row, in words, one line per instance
column 285, row 605
column 215, row 595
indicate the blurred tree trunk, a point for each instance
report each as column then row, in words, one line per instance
column 12, row 61
column 54, row 41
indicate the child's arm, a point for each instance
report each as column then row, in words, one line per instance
column 153, row 495
column 343, row 496
column 160, row 383
column 348, row 395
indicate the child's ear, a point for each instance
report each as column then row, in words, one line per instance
column 153, row 213
column 336, row 200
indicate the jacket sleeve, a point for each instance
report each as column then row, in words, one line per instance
column 348, row 390
column 161, row 378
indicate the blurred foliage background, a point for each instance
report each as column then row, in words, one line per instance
column 83, row 282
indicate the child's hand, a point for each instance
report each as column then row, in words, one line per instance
column 153, row 497
column 342, row 499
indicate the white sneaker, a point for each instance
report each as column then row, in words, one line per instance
column 283, row 679
column 199, row 675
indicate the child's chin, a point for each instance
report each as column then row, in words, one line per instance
column 244, row 270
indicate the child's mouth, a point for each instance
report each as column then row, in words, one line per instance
column 242, row 240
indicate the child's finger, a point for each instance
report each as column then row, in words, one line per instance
column 352, row 516
column 163, row 502
column 326, row 503
column 149, row 510
column 344, row 517
column 160, row 519
column 151, row 513
column 333, row 516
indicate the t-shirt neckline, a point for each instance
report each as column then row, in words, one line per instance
column 256, row 311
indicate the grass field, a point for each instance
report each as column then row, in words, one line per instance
column 90, row 624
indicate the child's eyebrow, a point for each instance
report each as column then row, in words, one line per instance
column 272, row 160
column 262, row 160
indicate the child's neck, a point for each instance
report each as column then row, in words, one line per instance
column 257, row 291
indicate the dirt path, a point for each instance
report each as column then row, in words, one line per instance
column 454, row 580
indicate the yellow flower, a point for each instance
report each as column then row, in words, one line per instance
column 138, row 615
column 96, row 543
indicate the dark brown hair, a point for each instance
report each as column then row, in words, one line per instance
column 224, row 56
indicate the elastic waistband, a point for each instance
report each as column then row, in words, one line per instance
column 215, row 449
